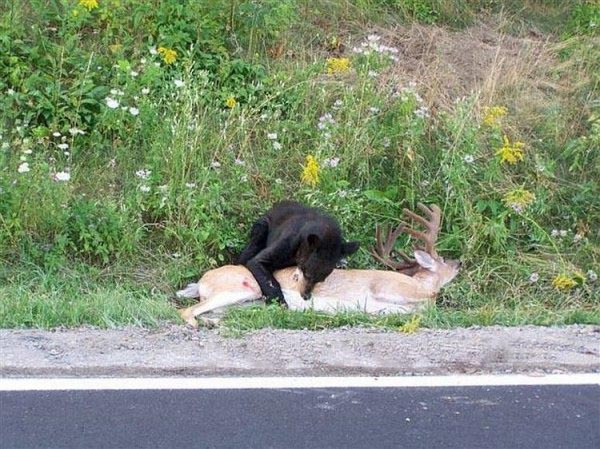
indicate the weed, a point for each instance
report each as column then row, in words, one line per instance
column 139, row 143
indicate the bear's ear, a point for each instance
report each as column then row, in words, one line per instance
column 349, row 248
column 313, row 240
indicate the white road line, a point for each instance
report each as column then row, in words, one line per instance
column 239, row 383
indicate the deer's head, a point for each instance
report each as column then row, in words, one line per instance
column 436, row 269
column 427, row 264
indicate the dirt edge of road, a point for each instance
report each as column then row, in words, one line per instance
column 179, row 351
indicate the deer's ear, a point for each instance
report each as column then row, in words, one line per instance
column 425, row 260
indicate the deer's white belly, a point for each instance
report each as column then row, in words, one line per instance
column 365, row 303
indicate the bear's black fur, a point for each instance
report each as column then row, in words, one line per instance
column 293, row 234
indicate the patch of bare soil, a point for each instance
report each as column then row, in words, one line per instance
column 448, row 64
column 179, row 351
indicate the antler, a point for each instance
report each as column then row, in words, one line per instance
column 432, row 226
column 384, row 250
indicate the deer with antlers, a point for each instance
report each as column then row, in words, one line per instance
column 413, row 283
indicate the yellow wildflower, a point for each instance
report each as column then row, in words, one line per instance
column 563, row 282
column 519, row 199
column 115, row 48
column 511, row 153
column 310, row 171
column 169, row 55
column 230, row 102
column 89, row 4
column 493, row 115
column 337, row 65
column 411, row 326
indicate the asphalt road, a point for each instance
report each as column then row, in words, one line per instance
column 512, row 417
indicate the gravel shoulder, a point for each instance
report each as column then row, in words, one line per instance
column 180, row 351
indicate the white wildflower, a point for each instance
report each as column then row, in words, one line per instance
column 372, row 45
column 577, row 237
column 534, row 278
column 554, row 233
column 562, row 233
column 134, row 111
column 112, row 103
column 23, row 168
column 592, row 276
column 374, row 110
column 190, row 185
column 143, row 173
column 422, row 112
column 469, row 159
column 277, row 146
column 179, row 83
column 331, row 162
column 145, row 91
column 75, row 131
column 56, row 134
column 144, row 188
column 239, row 161
column 338, row 104
column 325, row 120
column 62, row 176
column 27, row 151
column 215, row 164
column 272, row 136
column 163, row 188
column 133, row 73
column 153, row 51
column 63, row 146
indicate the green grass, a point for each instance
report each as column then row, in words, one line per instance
column 35, row 298
column 241, row 320
column 166, row 185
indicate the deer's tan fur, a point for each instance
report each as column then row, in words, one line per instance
column 370, row 291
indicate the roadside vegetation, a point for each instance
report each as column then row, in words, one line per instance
column 140, row 139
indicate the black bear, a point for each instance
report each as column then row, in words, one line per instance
column 293, row 234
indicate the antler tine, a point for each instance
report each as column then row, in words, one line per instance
column 383, row 250
column 432, row 225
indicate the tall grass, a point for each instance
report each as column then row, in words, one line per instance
column 123, row 175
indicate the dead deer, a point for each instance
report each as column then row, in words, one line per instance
column 413, row 284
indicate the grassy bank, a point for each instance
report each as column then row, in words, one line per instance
column 139, row 141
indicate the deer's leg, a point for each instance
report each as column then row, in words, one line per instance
column 218, row 301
